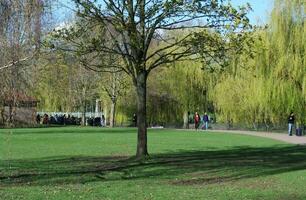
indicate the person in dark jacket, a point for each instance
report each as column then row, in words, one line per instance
column 290, row 123
column 134, row 120
column 38, row 118
column 197, row 120
column 206, row 120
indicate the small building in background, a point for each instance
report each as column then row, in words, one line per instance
column 18, row 109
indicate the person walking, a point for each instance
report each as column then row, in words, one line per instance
column 206, row 120
column 290, row 123
column 38, row 118
column 103, row 121
column 197, row 120
column 134, row 120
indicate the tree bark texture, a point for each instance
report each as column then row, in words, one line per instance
column 142, row 148
column 186, row 120
column 112, row 114
column 84, row 106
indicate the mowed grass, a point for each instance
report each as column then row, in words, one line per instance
column 98, row 163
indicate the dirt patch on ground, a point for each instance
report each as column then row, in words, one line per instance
column 202, row 179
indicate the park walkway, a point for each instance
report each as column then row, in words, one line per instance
column 276, row 136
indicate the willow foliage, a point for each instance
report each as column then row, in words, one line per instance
column 267, row 87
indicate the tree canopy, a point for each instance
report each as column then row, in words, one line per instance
column 139, row 33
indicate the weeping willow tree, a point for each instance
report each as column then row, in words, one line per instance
column 287, row 61
column 265, row 88
column 55, row 88
column 63, row 88
column 181, row 88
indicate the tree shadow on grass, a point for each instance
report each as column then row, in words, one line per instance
column 178, row 168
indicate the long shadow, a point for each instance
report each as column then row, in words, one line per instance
column 177, row 167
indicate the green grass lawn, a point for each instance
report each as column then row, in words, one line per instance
column 97, row 163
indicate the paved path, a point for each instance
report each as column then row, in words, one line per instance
column 277, row 136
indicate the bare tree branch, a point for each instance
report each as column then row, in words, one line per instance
column 14, row 63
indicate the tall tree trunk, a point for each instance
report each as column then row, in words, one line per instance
column 141, row 88
column 186, row 120
column 97, row 108
column 105, row 113
column 112, row 114
column 84, row 106
column 10, row 118
column 2, row 122
column 113, row 100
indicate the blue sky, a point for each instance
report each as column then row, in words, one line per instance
column 259, row 15
column 261, row 9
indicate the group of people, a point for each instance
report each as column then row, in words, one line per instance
column 57, row 119
column 68, row 120
column 197, row 121
column 96, row 121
